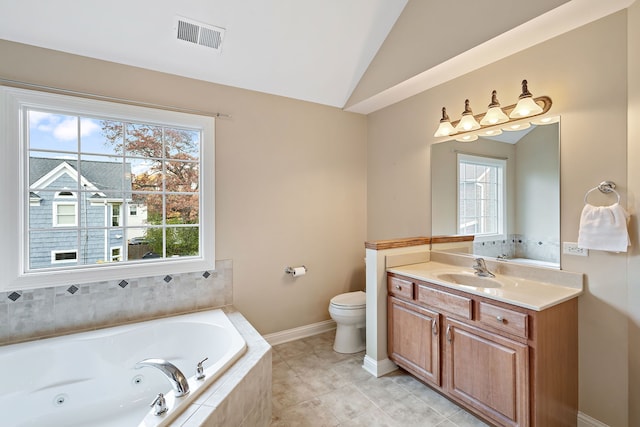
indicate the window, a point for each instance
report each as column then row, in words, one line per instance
column 78, row 164
column 64, row 214
column 115, row 215
column 481, row 196
column 116, row 254
column 63, row 256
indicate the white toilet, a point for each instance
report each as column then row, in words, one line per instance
column 349, row 312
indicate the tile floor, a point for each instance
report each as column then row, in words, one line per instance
column 314, row 386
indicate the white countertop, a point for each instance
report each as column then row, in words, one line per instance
column 527, row 293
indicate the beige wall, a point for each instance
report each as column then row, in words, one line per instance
column 633, row 162
column 290, row 181
column 585, row 73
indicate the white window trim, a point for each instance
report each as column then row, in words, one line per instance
column 502, row 208
column 120, row 248
column 16, row 275
column 55, row 213
column 55, row 261
column 112, row 216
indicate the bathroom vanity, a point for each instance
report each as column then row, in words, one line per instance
column 506, row 348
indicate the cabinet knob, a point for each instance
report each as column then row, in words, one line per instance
column 434, row 327
column 398, row 287
column 500, row 319
column 448, row 334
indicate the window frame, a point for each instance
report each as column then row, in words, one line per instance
column 118, row 255
column 56, row 214
column 113, row 216
column 14, row 252
column 63, row 261
column 501, row 209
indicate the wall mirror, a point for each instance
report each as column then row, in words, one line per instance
column 504, row 190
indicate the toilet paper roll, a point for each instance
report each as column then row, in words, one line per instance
column 299, row 271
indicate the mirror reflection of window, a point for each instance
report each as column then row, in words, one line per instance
column 529, row 230
column 481, row 195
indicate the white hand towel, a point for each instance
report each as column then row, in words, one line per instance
column 604, row 228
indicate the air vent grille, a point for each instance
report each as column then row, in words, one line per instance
column 198, row 33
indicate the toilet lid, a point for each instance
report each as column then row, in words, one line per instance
column 350, row 299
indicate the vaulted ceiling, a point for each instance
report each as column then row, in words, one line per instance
column 316, row 51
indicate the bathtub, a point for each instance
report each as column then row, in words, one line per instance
column 89, row 379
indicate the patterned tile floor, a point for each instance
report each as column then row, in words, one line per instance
column 315, row 386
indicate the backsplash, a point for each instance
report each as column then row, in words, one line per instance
column 45, row 312
column 520, row 246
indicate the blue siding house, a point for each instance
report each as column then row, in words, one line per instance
column 76, row 217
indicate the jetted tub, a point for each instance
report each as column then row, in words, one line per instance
column 89, row 379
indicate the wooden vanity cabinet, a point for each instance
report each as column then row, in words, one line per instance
column 510, row 365
column 487, row 372
column 414, row 333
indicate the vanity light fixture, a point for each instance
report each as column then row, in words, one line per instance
column 494, row 115
column 491, row 132
column 546, row 120
column 467, row 138
column 467, row 122
column 445, row 128
column 517, row 126
column 526, row 106
column 496, row 119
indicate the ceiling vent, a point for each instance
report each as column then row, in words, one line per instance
column 198, row 33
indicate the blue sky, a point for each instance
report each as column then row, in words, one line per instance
column 48, row 131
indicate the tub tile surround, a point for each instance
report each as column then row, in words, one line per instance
column 241, row 397
column 73, row 307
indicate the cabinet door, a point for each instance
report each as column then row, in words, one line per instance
column 488, row 372
column 413, row 340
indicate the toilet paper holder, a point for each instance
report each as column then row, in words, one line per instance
column 292, row 270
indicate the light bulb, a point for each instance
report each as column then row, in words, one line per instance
column 467, row 122
column 445, row 128
column 526, row 106
column 494, row 115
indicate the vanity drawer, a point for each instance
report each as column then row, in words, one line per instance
column 501, row 318
column 399, row 287
column 454, row 304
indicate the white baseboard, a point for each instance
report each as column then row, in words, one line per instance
column 378, row 368
column 585, row 420
column 300, row 332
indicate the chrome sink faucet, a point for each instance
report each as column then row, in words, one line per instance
column 481, row 268
column 174, row 375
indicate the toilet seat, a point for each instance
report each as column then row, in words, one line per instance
column 350, row 300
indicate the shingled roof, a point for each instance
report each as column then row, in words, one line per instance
column 104, row 175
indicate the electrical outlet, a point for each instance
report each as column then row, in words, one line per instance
column 571, row 248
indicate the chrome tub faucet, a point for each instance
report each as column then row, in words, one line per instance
column 481, row 268
column 174, row 375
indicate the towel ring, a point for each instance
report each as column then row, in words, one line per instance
column 605, row 187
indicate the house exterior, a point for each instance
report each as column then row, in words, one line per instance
column 85, row 212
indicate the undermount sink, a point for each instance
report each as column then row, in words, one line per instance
column 469, row 280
